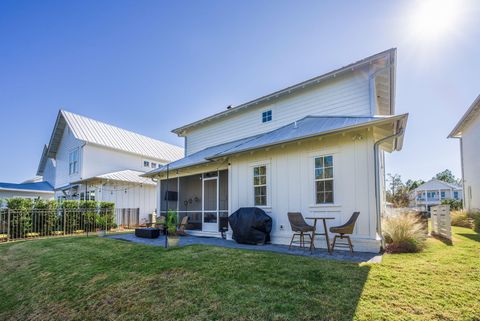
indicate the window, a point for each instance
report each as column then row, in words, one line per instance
column 146, row 164
column 324, row 179
column 455, row 195
column 442, row 195
column 260, row 185
column 154, row 165
column 73, row 162
column 266, row 116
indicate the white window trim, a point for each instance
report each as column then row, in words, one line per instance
column 267, row 164
column 311, row 174
column 78, row 161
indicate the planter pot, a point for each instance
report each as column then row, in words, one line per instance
column 101, row 233
column 173, row 241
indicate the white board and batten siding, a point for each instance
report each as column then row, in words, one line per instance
column 291, row 186
column 347, row 95
column 67, row 145
column 99, row 160
column 470, row 148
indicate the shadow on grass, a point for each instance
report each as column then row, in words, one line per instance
column 442, row 239
column 472, row 236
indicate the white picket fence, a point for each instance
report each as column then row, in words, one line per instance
column 441, row 221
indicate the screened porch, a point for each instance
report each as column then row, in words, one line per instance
column 201, row 197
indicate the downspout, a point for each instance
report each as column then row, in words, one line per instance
column 377, row 182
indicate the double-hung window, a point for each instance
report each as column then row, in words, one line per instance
column 260, row 185
column 324, row 180
column 73, row 162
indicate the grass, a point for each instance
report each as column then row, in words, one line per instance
column 105, row 279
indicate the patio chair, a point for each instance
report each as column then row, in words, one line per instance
column 344, row 231
column 160, row 223
column 300, row 228
column 181, row 227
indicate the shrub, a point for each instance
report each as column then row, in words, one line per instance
column 461, row 218
column 455, row 205
column 403, row 233
column 475, row 217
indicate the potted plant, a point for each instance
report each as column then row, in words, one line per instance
column 173, row 238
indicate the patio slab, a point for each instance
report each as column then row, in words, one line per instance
column 358, row 257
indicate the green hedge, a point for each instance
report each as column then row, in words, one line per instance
column 41, row 217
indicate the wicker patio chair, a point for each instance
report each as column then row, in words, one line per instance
column 344, row 231
column 182, row 226
column 300, row 228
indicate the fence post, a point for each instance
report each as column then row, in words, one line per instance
column 64, row 221
column 8, row 226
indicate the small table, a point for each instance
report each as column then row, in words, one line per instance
column 324, row 219
column 147, row 233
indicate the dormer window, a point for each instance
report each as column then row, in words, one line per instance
column 266, row 116
column 146, row 164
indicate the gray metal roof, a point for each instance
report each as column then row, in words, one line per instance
column 200, row 157
column 307, row 127
column 44, row 187
column 96, row 132
column 129, row 176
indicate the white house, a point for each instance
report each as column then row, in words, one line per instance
column 32, row 190
column 90, row 160
column 434, row 192
column 468, row 131
column 316, row 147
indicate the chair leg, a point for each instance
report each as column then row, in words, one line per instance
column 291, row 242
column 350, row 245
column 334, row 240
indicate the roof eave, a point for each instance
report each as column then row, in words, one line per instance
column 351, row 67
column 457, row 130
column 329, row 132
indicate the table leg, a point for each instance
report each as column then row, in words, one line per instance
column 313, row 235
column 326, row 235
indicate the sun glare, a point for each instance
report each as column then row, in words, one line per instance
column 435, row 18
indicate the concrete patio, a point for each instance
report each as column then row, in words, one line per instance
column 357, row 257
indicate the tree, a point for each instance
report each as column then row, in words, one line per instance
column 397, row 193
column 448, row 177
column 411, row 184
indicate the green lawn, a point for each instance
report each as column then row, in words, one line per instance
column 105, row 279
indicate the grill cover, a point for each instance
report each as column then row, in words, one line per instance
column 250, row 225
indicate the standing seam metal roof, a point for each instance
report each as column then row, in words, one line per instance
column 309, row 126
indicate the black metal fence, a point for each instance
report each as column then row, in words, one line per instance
column 21, row 224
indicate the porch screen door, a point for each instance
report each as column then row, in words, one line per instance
column 210, row 204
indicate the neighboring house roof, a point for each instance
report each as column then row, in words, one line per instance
column 40, row 187
column 101, row 134
column 471, row 114
column 129, row 176
column 310, row 126
column 389, row 54
column 435, row 184
column 34, row 179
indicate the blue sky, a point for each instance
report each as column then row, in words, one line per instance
column 150, row 66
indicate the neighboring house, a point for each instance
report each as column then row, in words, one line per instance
column 316, row 147
column 32, row 190
column 433, row 193
column 468, row 131
column 90, row 160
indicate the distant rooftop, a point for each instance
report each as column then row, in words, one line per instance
column 34, row 187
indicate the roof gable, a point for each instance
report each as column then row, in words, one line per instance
column 435, row 184
column 471, row 113
column 102, row 134
column 388, row 55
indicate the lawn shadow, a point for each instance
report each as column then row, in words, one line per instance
column 472, row 236
column 442, row 239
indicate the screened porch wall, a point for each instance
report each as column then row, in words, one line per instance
column 189, row 202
